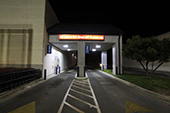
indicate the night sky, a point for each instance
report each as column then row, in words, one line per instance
column 134, row 18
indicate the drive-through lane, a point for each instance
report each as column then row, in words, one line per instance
column 116, row 97
column 98, row 93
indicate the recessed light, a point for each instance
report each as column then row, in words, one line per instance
column 93, row 49
column 65, row 46
column 68, row 49
column 98, row 46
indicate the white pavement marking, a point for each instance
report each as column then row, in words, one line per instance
column 76, row 109
column 95, row 100
column 82, row 101
column 65, row 97
column 81, row 93
column 81, row 83
column 81, row 88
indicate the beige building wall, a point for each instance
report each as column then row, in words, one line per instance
column 23, row 35
column 162, row 36
column 165, row 66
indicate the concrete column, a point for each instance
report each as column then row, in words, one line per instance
column 81, row 57
column 3, row 47
column 114, row 60
column 121, row 58
column 117, row 56
column 104, row 59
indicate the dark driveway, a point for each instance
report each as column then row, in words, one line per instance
column 116, row 97
column 112, row 96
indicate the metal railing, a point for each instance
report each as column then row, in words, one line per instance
column 8, row 80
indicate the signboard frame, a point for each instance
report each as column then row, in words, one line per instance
column 80, row 37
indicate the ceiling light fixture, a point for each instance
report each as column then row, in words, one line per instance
column 93, row 50
column 65, row 46
column 98, row 46
column 68, row 49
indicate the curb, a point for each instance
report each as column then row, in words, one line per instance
column 160, row 96
column 80, row 78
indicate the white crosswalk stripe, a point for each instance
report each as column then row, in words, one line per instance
column 81, row 93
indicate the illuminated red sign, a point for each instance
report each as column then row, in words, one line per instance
column 81, row 37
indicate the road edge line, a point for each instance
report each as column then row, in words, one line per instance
column 65, row 97
column 73, row 107
column 162, row 97
column 95, row 100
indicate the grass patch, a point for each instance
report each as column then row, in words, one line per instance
column 142, row 81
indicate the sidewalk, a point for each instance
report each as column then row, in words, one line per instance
column 163, row 74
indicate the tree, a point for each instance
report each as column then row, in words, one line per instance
column 147, row 51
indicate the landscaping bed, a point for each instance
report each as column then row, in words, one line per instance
column 155, row 84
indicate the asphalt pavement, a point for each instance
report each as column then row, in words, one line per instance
column 98, row 93
column 116, row 97
column 47, row 95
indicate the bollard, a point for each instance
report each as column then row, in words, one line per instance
column 116, row 70
column 84, row 71
column 56, row 70
column 45, row 74
column 59, row 69
column 102, row 67
column 77, row 71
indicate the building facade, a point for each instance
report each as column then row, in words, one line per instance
column 24, row 39
column 23, row 36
